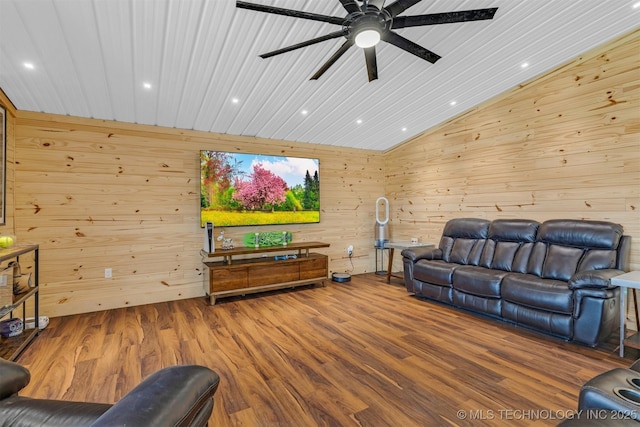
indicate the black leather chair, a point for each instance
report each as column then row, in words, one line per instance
column 609, row 399
column 173, row 396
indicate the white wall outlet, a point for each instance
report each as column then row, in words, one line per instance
column 108, row 273
column 350, row 250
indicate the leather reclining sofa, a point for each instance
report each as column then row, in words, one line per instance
column 171, row 397
column 553, row 276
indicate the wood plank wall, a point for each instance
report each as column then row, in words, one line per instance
column 98, row 194
column 565, row 145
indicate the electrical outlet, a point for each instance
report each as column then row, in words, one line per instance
column 350, row 251
column 108, row 273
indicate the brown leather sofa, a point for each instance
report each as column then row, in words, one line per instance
column 553, row 276
column 173, row 396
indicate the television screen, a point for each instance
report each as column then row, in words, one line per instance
column 253, row 189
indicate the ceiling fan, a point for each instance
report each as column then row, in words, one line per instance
column 367, row 22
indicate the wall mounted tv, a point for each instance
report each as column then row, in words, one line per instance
column 239, row 189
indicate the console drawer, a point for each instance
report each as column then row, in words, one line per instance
column 275, row 273
column 313, row 267
column 226, row 279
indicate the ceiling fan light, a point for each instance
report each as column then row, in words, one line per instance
column 367, row 38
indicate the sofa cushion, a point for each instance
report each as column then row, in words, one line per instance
column 469, row 228
column 561, row 262
column 478, row 281
column 513, row 230
column 463, row 240
column 598, row 259
column 466, row 251
column 581, row 233
column 509, row 244
column 436, row 272
column 535, row 292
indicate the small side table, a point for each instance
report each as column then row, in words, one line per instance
column 400, row 245
column 626, row 281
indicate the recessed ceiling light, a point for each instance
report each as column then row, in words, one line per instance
column 359, row 121
column 636, row 5
column 524, row 65
column 29, row 66
column 452, row 103
column 146, row 85
column 304, row 112
column 404, row 129
column 235, row 100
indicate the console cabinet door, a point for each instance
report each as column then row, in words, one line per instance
column 313, row 267
column 226, row 279
column 270, row 274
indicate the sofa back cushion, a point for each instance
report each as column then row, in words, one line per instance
column 463, row 240
column 561, row 262
column 509, row 244
column 565, row 247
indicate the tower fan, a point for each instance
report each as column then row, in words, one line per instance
column 381, row 232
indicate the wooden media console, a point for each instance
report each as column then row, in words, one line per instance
column 229, row 276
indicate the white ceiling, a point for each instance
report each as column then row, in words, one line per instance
column 92, row 57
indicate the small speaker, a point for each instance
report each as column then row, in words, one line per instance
column 209, row 243
column 11, row 327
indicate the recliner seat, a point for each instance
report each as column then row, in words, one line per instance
column 172, row 397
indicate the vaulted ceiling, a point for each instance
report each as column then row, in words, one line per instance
column 194, row 64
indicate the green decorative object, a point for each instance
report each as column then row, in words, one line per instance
column 267, row 238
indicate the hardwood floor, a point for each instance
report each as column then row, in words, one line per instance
column 363, row 353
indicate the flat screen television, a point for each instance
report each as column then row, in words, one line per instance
column 238, row 189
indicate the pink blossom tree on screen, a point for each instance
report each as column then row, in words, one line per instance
column 263, row 189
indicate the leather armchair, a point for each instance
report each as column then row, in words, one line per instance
column 609, row 399
column 173, row 396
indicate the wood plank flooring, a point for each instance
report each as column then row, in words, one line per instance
column 363, row 353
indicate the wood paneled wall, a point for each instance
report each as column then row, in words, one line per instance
column 98, row 194
column 565, row 145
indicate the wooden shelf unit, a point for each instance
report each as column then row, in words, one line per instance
column 10, row 348
column 230, row 277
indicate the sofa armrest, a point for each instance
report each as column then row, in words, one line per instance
column 594, row 279
column 173, row 396
column 422, row 252
column 13, row 378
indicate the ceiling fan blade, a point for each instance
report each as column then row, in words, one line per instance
column 345, row 46
column 409, row 46
column 289, row 12
column 350, row 6
column 372, row 63
column 396, row 8
column 443, row 18
column 303, row 44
